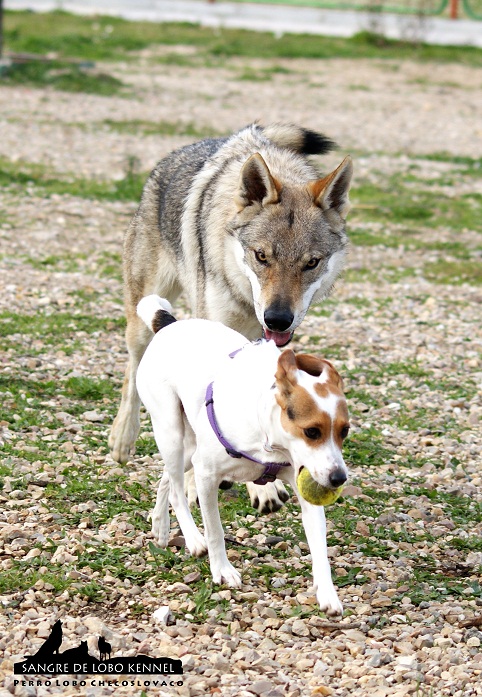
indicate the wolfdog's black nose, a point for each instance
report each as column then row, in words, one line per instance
column 337, row 478
column 278, row 320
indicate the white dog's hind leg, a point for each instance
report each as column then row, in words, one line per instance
column 221, row 568
column 195, row 541
column 314, row 523
column 175, row 440
column 267, row 498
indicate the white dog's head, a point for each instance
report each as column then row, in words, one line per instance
column 314, row 416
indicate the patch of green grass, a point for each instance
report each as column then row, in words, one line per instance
column 61, row 76
column 461, row 509
column 109, row 38
column 161, row 128
column 89, row 389
column 112, row 496
column 26, row 174
column 454, row 272
column 366, row 449
column 68, row 263
column 251, row 75
column 110, row 265
column 397, row 203
column 26, row 403
column 472, row 166
column 53, row 328
column 429, row 584
column 23, row 576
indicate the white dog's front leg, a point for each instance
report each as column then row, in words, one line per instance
column 221, row 568
column 314, row 523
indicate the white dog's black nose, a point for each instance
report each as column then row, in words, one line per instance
column 337, row 478
column 278, row 320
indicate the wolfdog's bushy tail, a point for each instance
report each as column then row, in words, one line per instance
column 303, row 140
column 156, row 312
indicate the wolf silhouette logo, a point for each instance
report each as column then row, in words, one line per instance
column 48, row 660
column 52, row 644
column 104, row 647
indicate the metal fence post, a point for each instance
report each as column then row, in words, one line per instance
column 1, row 28
column 454, row 7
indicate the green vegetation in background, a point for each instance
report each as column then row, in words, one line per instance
column 62, row 76
column 109, row 38
column 160, row 128
column 400, row 201
column 26, row 174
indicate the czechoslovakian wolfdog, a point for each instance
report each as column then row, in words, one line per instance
column 248, row 230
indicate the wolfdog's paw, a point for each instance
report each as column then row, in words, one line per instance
column 328, row 601
column 226, row 574
column 122, row 442
column 267, row 498
column 196, row 544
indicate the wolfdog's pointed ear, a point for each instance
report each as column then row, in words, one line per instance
column 286, row 374
column 256, row 185
column 332, row 191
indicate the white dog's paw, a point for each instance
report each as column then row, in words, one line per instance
column 196, row 544
column 328, row 601
column 227, row 574
column 267, row 498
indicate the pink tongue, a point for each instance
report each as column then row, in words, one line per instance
column 279, row 338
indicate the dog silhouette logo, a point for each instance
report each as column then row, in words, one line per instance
column 105, row 649
column 49, row 660
column 52, row 644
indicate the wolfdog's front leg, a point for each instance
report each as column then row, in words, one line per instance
column 126, row 424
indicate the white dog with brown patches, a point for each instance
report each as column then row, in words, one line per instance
column 238, row 411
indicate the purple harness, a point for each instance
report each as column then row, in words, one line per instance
column 271, row 468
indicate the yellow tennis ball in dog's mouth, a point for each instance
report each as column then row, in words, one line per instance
column 313, row 492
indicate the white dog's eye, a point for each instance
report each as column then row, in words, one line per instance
column 312, row 264
column 261, row 257
column 344, row 431
column 312, row 433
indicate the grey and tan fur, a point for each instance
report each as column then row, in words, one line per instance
column 251, row 234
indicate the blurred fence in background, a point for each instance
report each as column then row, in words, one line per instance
column 471, row 8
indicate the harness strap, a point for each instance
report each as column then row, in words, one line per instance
column 271, row 468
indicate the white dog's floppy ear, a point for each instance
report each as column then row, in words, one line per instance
column 331, row 192
column 286, row 374
column 256, row 184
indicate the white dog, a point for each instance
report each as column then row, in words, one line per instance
column 237, row 411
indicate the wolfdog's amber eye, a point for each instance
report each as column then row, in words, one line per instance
column 312, row 264
column 261, row 257
column 344, row 431
column 312, row 433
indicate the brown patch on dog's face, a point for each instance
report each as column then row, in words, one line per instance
column 301, row 414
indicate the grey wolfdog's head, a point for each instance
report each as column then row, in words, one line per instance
column 292, row 241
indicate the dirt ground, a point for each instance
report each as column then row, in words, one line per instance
column 401, row 326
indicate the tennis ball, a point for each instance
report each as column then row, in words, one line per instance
column 313, row 492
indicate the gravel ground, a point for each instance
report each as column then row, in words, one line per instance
column 409, row 347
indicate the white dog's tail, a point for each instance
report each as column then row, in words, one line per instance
column 156, row 312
